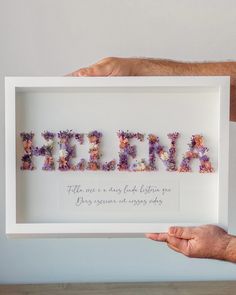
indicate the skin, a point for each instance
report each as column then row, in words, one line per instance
column 114, row 66
column 206, row 241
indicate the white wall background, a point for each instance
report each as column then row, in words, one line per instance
column 54, row 37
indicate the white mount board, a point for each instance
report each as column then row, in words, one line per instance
column 38, row 203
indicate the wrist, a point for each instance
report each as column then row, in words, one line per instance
column 230, row 250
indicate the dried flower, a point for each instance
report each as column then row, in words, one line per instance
column 27, row 139
column 199, row 151
column 127, row 150
column 66, row 151
column 167, row 157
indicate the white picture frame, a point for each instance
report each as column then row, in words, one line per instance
column 213, row 93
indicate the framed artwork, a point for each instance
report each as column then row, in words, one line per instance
column 115, row 156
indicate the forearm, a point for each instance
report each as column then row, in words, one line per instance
column 161, row 67
column 230, row 252
column 165, row 67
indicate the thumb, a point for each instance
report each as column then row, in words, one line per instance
column 95, row 70
column 90, row 71
column 160, row 237
column 86, row 72
column 177, row 244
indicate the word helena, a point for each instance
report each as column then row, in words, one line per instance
column 196, row 150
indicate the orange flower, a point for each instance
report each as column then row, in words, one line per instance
column 198, row 140
column 123, row 145
column 94, row 153
column 208, row 166
column 183, row 169
column 63, row 161
column 26, row 165
column 93, row 166
column 49, row 160
column 27, row 144
column 152, row 138
column 92, row 139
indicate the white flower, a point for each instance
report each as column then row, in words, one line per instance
column 142, row 166
column 164, row 156
column 137, row 168
column 63, row 153
column 49, row 143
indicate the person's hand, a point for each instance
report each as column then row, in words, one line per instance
column 206, row 241
column 116, row 66
column 110, row 66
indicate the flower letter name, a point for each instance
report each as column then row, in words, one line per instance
column 197, row 150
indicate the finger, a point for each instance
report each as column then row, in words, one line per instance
column 160, row 237
column 73, row 74
column 182, row 232
column 82, row 72
column 104, row 67
column 94, row 71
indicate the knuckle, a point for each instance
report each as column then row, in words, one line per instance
column 109, row 59
column 172, row 230
column 178, row 231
